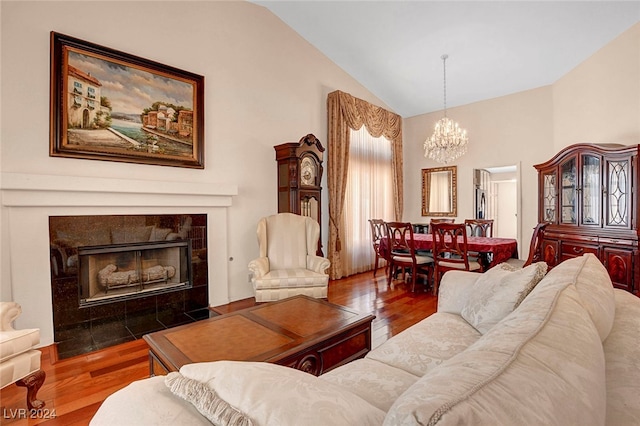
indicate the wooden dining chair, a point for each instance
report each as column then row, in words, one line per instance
column 450, row 251
column 378, row 232
column 535, row 248
column 403, row 254
column 479, row 227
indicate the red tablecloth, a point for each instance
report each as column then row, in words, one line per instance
column 500, row 249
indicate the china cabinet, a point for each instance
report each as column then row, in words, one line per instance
column 299, row 176
column 588, row 195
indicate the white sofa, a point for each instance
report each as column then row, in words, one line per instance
column 569, row 354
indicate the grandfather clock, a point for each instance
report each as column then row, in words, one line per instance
column 299, row 176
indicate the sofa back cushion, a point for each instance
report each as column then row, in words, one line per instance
column 622, row 352
column 498, row 292
column 542, row 364
column 596, row 293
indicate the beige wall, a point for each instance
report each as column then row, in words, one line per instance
column 264, row 85
column 598, row 101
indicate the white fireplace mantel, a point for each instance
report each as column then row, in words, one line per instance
column 29, row 199
column 30, row 190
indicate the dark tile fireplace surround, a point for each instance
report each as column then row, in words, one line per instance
column 81, row 329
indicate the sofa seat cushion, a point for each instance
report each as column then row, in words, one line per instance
column 425, row 345
column 19, row 367
column 498, row 292
column 15, row 342
column 288, row 278
column 622, row 353
column 542, row 364
column 147, row 402
column 377, row 383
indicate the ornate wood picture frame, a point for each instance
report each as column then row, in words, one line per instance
column 109, row 105
column 440, row 191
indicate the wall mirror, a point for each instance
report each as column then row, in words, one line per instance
column 439, row 191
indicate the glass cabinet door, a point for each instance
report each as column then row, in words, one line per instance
column 549, row 196
column 590, row 190
column 617, row 196
column 568, row 199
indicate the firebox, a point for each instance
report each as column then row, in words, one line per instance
column 110, row 273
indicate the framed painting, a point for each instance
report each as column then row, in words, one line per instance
column 109, row 105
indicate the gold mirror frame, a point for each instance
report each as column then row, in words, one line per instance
column 452, row 190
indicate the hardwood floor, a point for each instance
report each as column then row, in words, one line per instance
column 76, row 387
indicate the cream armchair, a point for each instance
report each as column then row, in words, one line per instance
column 19, row 362
column 287, row 265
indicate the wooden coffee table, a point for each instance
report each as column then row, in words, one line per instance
column 309, row 334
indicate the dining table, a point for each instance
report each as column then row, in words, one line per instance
column 493, row 250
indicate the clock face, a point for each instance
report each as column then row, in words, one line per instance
column 307, row 172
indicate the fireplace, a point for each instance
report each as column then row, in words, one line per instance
column 115, row 278
column 29, row 274
column 127, row 271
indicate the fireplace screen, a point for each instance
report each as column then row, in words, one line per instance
column 125, row 271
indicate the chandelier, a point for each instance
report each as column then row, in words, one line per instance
column 448, row 140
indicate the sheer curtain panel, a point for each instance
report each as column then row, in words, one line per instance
column 369, row 195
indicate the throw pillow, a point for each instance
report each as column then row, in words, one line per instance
column 206, row 401
column 498, row 292
column 273, row 394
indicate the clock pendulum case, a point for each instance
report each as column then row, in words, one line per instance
column 299, row 177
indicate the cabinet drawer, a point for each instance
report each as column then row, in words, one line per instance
column 616, row 241
column 571, row 249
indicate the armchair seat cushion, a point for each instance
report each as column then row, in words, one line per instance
column 19, row 367
column 15, row 342
column 291, row 278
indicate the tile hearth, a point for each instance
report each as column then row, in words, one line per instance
column 104, row 333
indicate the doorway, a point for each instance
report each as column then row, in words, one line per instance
column 504, row 194
column 496, row 196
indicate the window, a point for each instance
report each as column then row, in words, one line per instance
column 369, row 195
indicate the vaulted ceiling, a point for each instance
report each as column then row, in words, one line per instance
column 495, row 48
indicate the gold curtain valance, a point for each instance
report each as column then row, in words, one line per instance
column 379, row 121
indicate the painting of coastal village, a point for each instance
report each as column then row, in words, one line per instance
column 119, row 109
